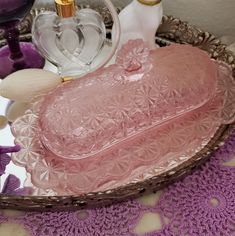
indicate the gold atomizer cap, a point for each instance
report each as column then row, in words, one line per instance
column 150, row 2
column 65, row 8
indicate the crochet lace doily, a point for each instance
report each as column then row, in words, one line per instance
column 202, row 204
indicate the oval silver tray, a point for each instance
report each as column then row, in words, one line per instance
column 171, row 31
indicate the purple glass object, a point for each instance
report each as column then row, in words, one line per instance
column 5, row 158
column 12, row 183
column 16, row 56
column 5, row 150
column 4, row 161
column 12, row 187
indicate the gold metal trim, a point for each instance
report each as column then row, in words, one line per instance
column 150, row 2
column 67, row 79
column 65, row 8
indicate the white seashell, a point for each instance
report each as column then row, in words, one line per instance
column 3, row 122
column 26, row 85
column 16, row 110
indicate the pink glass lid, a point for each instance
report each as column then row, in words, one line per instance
column 117, row 104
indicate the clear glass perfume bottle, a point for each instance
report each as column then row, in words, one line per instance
column 70, row 39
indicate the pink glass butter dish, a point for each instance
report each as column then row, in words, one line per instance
column 146, row 113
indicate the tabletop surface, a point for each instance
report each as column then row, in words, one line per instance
column 201, row 204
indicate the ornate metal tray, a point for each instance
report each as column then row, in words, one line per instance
column 171, row 31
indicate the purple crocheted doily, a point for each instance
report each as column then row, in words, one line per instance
column 203, row 204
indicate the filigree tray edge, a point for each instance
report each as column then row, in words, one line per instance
column 172, row 30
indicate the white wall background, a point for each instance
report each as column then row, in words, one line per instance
column 216, row 16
